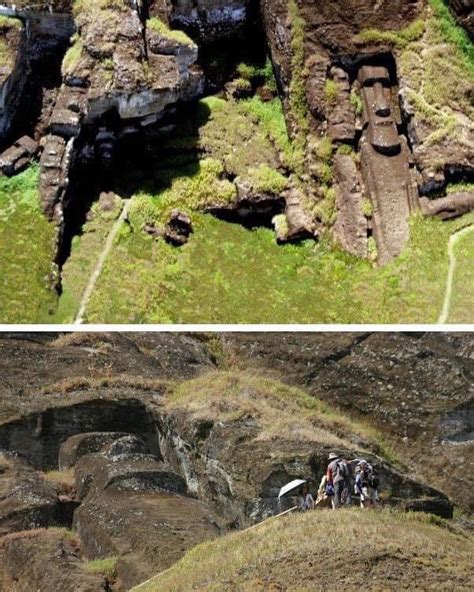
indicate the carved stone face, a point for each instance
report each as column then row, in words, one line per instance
column 379, row 117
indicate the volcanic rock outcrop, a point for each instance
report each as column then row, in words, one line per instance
column 131, row 63
column 464, row 11
column 52, row 561
column 119, row 76
column 155, row 467
column 319, row 58
column 26, row 501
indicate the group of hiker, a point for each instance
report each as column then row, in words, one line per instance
column 342, row 479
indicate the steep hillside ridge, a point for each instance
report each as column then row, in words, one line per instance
column 370, row 550
column 416, row 387
column 121, row 437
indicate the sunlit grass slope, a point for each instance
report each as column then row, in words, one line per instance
column 27, row 249
column 373, row 551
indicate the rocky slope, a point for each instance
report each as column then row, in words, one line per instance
column 149, row 444
column 358, row 164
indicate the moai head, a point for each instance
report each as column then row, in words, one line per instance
column 379, row 112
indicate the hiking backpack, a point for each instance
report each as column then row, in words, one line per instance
column 373, row 478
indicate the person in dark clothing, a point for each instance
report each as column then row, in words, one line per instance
column 337, row 479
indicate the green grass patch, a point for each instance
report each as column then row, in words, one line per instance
column 255, row 73
column 345, row 150
column 149, row 281
column 230, row 133
column 399, row 39
column 173, row 34
column 27, row 249
column 72, row 56
column 270, row 116
column 331, row 91
column 105, row 567
column 91, row 7
column 268, row 180
column 281, row 411
column 356, row 102
column 7, row 51
column 298, row 544
column 460, row 188
column 453, row 33
column 7, row 22
column 367, row 208
column 297, row 101
column 462, row 303
column 190, row 188
column 85, row 251
column 325, row 209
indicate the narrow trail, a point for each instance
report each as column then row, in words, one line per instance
column 100, row 264
column 452, row 267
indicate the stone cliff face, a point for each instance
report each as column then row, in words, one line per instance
column 373, row 122
column 210, row 20
column 318, row 56
column 140, row 447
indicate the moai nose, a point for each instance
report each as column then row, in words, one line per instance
column 381, row 106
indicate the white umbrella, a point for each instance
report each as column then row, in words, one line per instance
column 290, row 487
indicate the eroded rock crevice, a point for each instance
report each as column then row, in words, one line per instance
column 36, row 43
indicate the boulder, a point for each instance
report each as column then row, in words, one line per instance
column 125, row 446
column 54, row 177
column 26, row 500
column 149, row 531
column 451, row 206
column 340, row 112
column 351, row 227
column 95, row 473
column 16, row 158
column 45, row 560
column 77, row 446
column 299, row 223
column 179, row 228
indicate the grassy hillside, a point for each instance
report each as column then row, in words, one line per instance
column 149, row 281
column 279, row 410
column 313, row 551
column 463, row 296
column 27, row 248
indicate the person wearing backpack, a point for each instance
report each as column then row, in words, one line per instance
column 338, row 480
column 366, row 485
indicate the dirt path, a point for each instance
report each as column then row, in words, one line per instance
column 452, row 267
column 100, row 264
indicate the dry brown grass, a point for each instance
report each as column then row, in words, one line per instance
column 64, row 481
column 321, row 550
column 83, row 383
column 64, row 533
column 101, row 342
column 280, row 410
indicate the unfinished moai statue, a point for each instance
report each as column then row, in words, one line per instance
column 386, row 163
